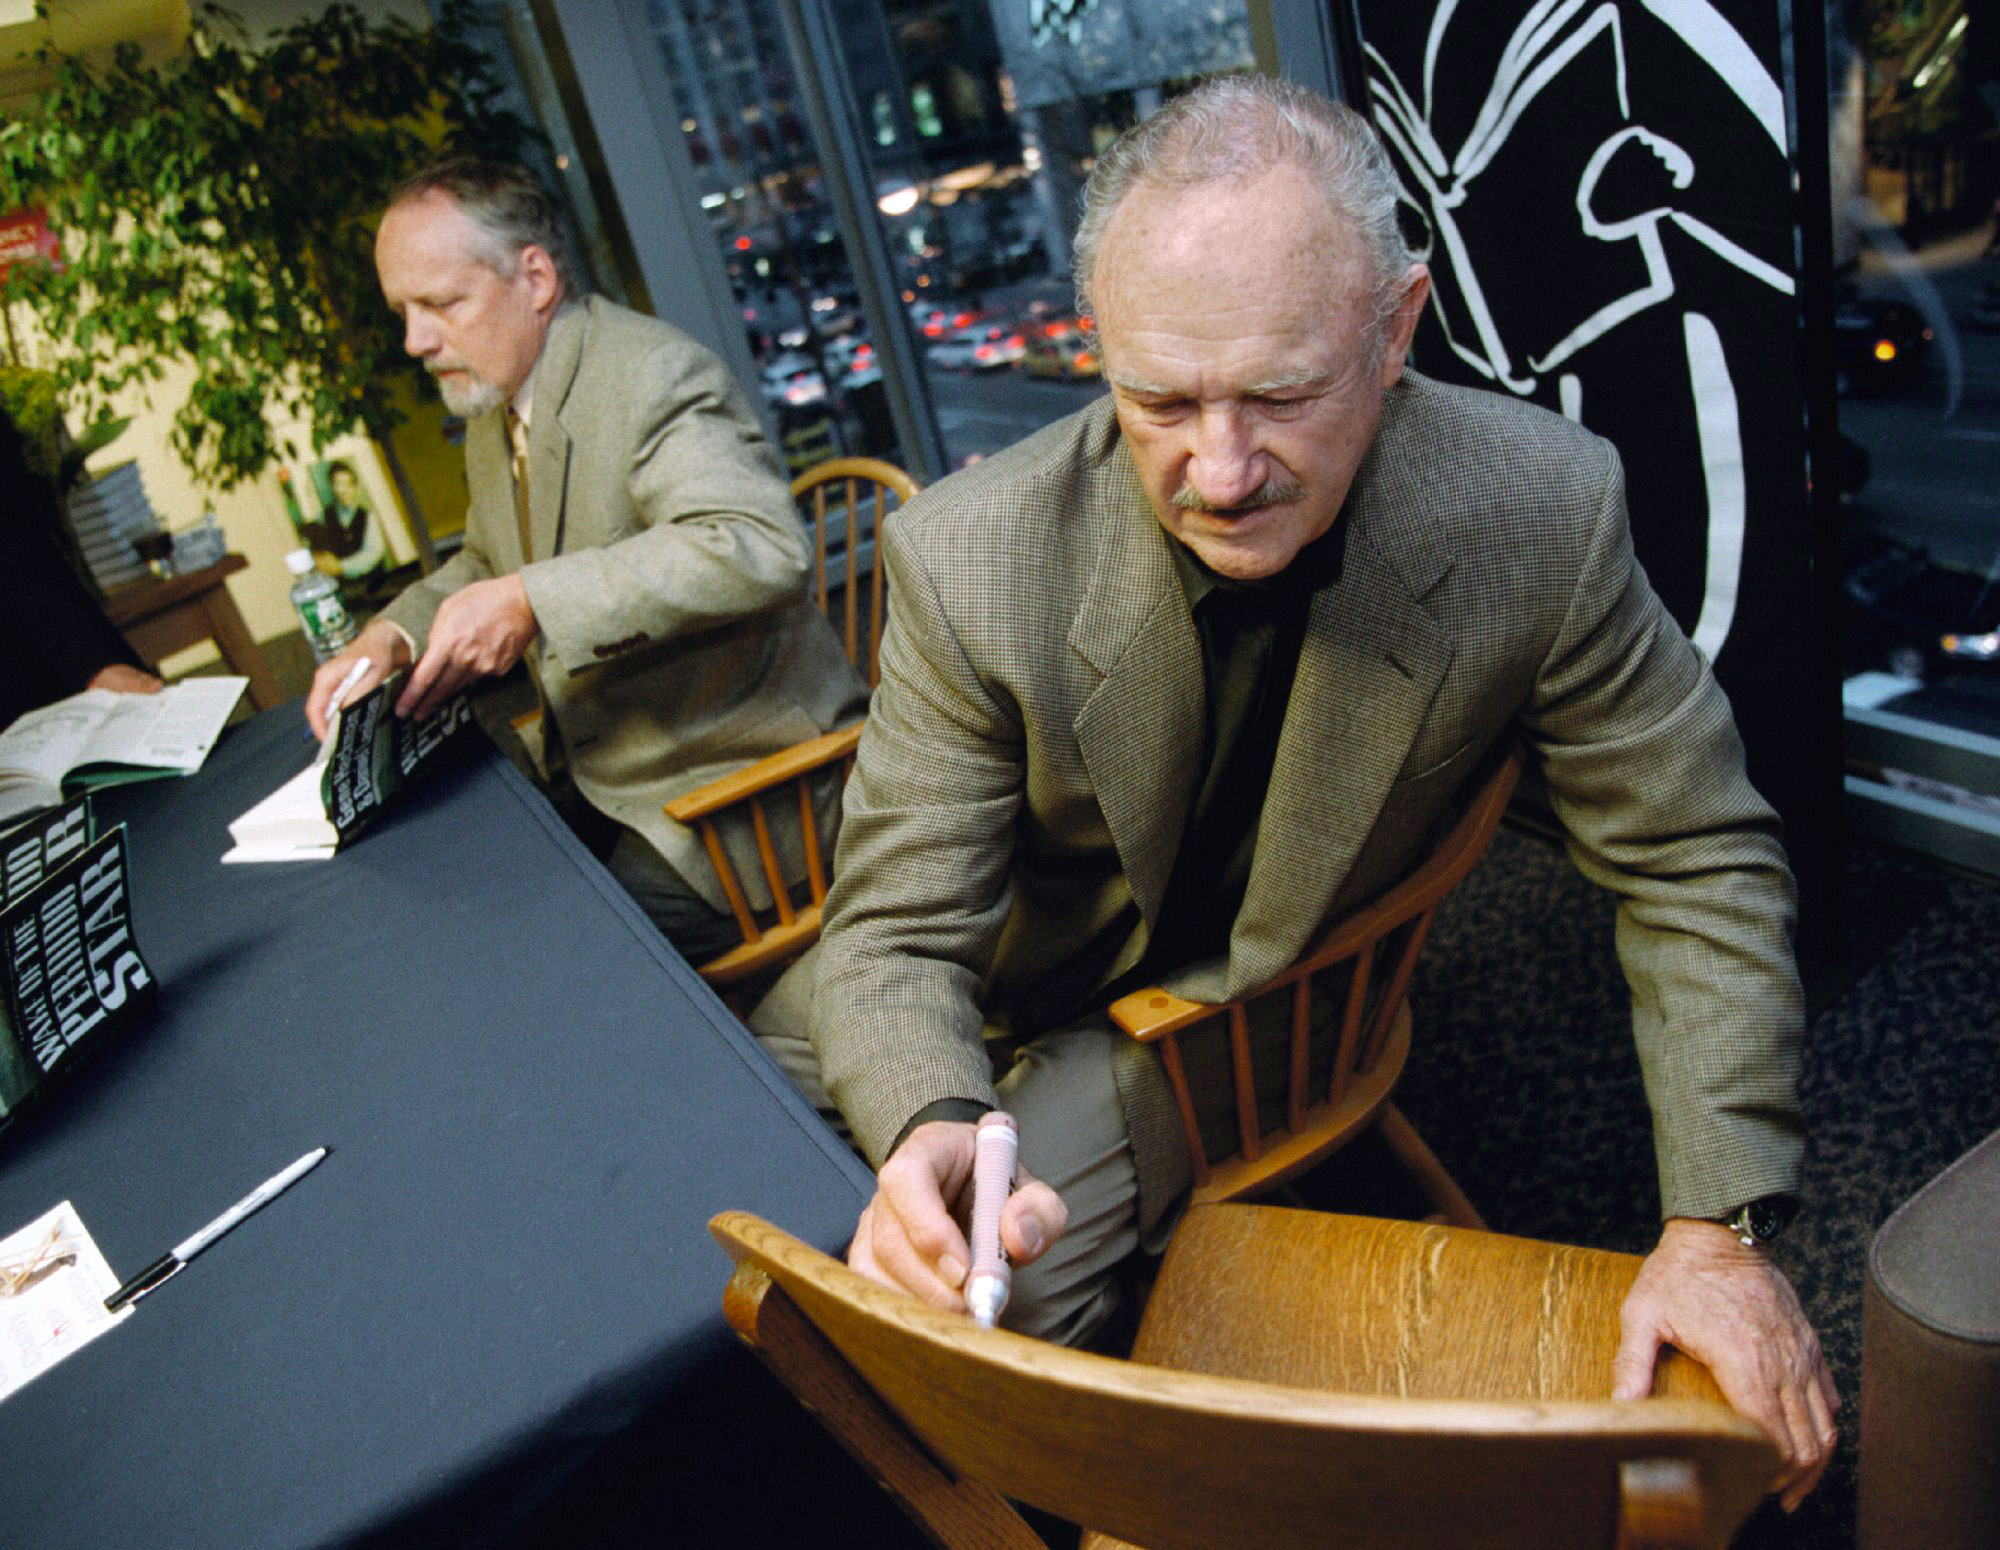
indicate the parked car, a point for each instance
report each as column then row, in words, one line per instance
column 982, row 347
column 1878, row 344
column 851, row 359
column 1070, row 356
column 791, row 379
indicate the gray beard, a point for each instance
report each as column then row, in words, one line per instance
column 469, row 402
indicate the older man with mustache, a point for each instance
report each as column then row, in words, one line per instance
column 1191, row 672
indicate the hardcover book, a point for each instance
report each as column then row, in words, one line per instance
column 70, row 966
column 370, row 757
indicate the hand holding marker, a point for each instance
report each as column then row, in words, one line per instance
column 996, row 1148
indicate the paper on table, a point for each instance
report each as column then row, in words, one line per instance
column 53, row 1282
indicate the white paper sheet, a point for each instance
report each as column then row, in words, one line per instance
column 53, row 1282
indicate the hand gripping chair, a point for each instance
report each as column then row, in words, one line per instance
column 1300, row 1379
column 1373, row 951
column 844, row 501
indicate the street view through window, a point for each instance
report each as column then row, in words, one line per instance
column 1917, row 356
column 982, row 121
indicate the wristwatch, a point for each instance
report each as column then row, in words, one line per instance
column 1757, row 1222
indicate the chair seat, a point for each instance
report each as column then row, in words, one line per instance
column 1425, row 1311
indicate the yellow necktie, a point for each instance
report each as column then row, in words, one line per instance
column 517, row 435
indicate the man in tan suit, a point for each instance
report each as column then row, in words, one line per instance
column 1182, row 675
column 629, row 535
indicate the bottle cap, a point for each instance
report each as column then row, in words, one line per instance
column 299, row 561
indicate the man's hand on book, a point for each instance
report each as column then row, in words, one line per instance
column 120, row 679
column 480, row 630
column 386, row 650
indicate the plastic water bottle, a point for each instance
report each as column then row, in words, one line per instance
column 316, row 596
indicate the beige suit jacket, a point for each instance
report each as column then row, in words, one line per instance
column 1031, row 750
column 667, row 575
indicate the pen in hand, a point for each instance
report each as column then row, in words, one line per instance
column 362, row 667
column 996, row 1149
column 170, row 1263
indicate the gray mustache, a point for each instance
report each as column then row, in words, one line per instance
column 1278, row 490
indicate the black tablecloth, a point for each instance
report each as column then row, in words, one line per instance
column 502, row 1270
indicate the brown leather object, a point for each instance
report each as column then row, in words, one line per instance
column 1930, row 1365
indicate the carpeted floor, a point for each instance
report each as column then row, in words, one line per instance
column 1524, row 1081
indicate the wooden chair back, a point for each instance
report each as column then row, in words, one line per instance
column 845, row 501
column 1374, row 951
column 789, row 777
column 954, row 1419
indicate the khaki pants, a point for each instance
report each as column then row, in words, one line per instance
column 1061, row 1093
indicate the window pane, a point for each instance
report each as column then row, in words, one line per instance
column 979, row 123
column 1917, row 349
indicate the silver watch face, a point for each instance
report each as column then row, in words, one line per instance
column 1764, row 1219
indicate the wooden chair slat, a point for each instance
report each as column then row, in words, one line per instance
column 1373, row 1036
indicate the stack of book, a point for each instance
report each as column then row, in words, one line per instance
column 107, row 514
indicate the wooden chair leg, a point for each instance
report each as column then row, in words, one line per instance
column 1437, row 1183
column 952, row 1511
column 1659, row 1505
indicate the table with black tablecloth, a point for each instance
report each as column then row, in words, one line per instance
column 493, row 1313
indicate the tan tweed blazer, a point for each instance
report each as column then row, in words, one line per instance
column 668, row 577
column 1030, row 755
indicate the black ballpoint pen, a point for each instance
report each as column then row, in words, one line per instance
column 170, row 1262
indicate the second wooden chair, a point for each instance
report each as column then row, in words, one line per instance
column 844, row 503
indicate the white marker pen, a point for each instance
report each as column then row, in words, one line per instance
column 996, row 1148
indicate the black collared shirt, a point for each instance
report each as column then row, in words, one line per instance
column 1250, row 633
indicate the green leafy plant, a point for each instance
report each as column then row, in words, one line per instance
column 216, row 208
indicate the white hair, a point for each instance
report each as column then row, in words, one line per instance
column 1235, row 127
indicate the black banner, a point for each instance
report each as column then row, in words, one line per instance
column 1605, row 196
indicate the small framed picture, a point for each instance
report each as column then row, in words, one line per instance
column 341, row 509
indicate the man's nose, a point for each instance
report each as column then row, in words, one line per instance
column 1224, row 465
column 420, row 335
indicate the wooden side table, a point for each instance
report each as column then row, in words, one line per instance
column 159, row 618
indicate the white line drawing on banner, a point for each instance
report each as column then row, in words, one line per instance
column 1542, row 47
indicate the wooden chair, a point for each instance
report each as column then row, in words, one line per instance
column 1375, row 949
column 1300, row 1379
column 844, row 502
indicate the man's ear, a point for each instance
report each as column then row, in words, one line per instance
column 1400, row 327
column 544, row 283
